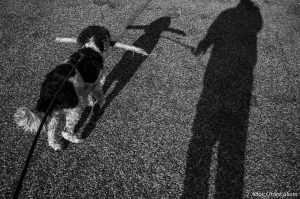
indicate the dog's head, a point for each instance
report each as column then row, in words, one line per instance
column 98, row 35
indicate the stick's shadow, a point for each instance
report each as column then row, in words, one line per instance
column 128, row 65
column 222, row 112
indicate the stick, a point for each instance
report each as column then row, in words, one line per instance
column 132, row 48
column 118, row 45
column 66, row 40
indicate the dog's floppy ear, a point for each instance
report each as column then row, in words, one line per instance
column 100, row 43
column 103, row 40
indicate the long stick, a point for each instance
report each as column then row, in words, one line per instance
column 66, row 40
column 132, row 48
column 118, row 44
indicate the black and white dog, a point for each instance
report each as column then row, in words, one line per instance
column 83, row 88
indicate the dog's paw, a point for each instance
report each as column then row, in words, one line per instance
column 71, row 138
column 55, row 146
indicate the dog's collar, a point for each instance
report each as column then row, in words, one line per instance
column 99, row 52
column 94, row 48
column 74, row 59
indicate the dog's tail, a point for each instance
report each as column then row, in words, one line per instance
column 28, row 120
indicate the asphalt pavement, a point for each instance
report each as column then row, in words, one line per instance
column 168, row 129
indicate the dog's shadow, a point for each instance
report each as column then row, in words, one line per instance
column 126, row 68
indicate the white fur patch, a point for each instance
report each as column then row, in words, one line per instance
column 77, row 80
column 102, row 80
column 91, row 44
column 27, row 120
column 72, row 138
column 52, row 125
column 72, row 117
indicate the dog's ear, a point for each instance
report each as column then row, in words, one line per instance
column 100, row 44
column 102, row 38
column 103, row 41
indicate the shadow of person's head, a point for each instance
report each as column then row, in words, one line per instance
column 247, row 3
column 238, row 24
column 158, row 26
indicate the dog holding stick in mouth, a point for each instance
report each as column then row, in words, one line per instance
column 83, row 88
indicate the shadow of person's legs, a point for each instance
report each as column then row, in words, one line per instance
column 200, row 151
column 231, row 156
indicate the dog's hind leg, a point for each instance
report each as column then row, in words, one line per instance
column 72, row 117
column 51, row 127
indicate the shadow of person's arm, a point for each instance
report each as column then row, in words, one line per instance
column 210, row 37
column 177, row 31
column 202, row 47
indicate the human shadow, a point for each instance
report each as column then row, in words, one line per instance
column 129, row 64
column 222, row 112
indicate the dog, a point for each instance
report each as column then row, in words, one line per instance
column 83, row 88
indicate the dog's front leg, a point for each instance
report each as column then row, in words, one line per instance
column 51, row 127
column 72, row 117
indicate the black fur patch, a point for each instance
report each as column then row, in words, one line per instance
column 67, row 98
column 90, row 66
